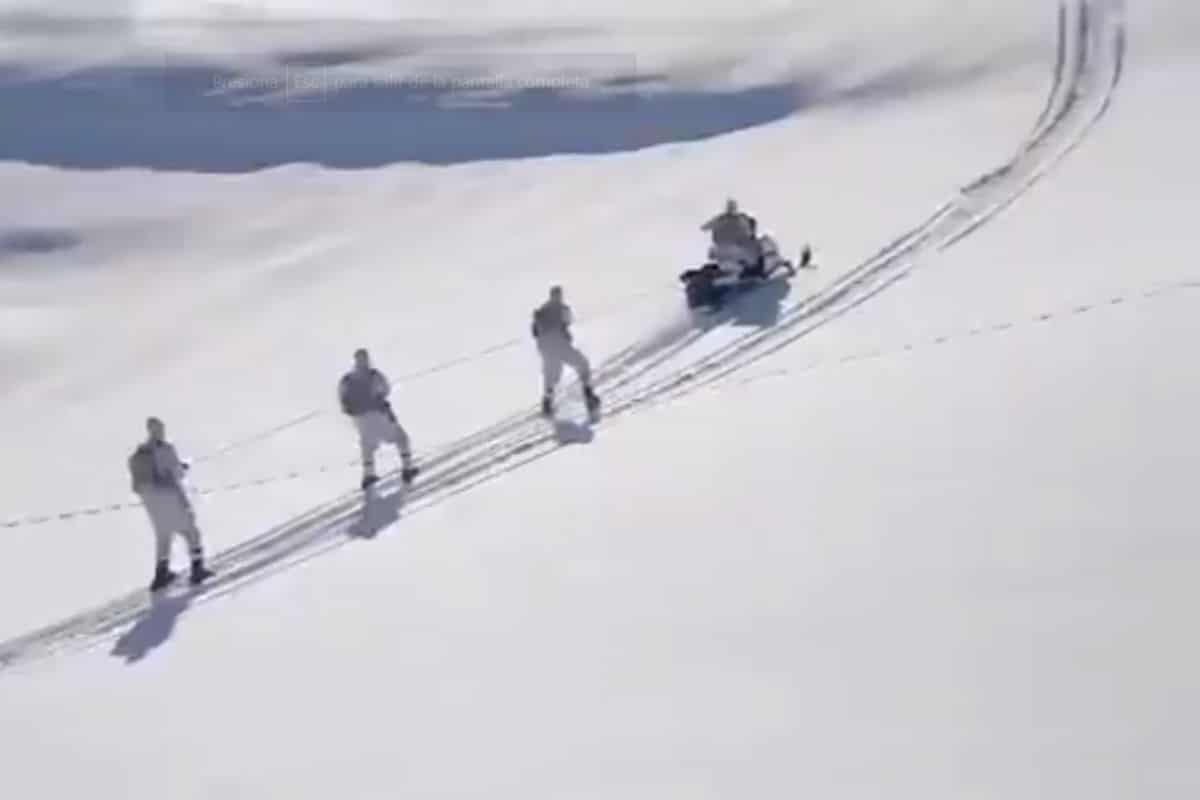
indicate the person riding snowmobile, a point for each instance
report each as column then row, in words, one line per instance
column 734, row 239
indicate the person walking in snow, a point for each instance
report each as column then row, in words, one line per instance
column 363, row 392
column 552, row 331
column 156, row 473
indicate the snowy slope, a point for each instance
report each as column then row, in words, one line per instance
column 262, row 283
column 939, row 546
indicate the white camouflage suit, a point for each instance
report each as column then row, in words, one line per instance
column 733, row 240
column 165, row 499
column 363, row 395
column 551, row 328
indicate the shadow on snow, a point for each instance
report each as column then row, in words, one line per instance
column 759, row 307
column 317, row 531
column 36, row 241
column 349, row 107
column 173, row 118
column 152, row 629
column 153, row 626
column 110, row 117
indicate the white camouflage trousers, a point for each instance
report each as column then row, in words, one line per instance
column 376, row 428
column 732, row 256
column 556, row 353
column 170, row 513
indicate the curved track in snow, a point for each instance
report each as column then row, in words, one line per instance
column 1091, row 47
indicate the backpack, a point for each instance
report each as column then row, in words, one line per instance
column 551, row 319
column 142, row 469
column 357, row 393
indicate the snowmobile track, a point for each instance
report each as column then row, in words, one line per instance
column 1088, row 68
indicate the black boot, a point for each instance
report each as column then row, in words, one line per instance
column 368, row 481
column 591, row 399
column 163, row 577
column 409, row 474
column 200, row 573
column 547, row 406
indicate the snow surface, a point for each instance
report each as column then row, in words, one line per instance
column 942, row 544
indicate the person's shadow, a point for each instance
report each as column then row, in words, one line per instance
column 379, row 511
column 152, row 629
column 570, row 432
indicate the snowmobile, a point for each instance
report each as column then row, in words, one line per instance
column 730, row 272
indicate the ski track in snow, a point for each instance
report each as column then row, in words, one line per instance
column 1088, row 68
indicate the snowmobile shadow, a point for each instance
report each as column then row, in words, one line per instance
column 762, row 307
column 759, row 308
column 152, row 629
column 661, row 343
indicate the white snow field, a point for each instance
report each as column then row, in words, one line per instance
column 921, row 525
